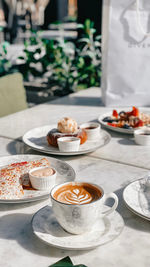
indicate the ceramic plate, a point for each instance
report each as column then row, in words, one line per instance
column 117, row 129
column 36, row 139
column 46, row 227
column 65, row 173
column 137, row 198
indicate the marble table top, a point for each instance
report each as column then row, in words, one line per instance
column 112, row 167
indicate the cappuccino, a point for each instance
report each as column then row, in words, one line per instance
column 77, row 193
column 78, row 205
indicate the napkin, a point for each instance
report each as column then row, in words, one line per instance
column 66, row 262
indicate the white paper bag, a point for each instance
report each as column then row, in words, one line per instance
column 126, row 53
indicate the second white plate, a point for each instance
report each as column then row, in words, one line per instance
column 116, row 129
column 36, row 139
column 137, row 198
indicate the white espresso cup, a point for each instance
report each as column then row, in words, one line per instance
column 78, row 205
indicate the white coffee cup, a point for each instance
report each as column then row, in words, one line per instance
column 80, row 218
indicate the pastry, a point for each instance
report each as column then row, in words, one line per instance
column 66, row 127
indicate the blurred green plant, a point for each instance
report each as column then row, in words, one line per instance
column 89, row 55
column 63, row 65
column 32, row 59
column 5, row 64
column 64, row 72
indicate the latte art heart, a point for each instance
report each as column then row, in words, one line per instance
column 77, row 194
column 76, row 191
column 75, row 198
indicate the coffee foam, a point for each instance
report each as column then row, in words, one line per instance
column 77, row 194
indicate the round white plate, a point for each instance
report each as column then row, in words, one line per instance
column 65, row 173
column 46, row 227
column 36, row 139
column 137, row 198
column 116, row 129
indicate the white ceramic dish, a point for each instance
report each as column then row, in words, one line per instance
column 92, row 129
column 137, row 198
column 142, row 139
column 43, row 182
column 65, row 173
column 68, row 144
column 75, row 218
column 36, row 139
column 46, row 228
column 117, row 129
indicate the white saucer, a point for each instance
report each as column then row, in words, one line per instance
column 137, row 198
column 46, row 227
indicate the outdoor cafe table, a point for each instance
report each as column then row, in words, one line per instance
column 112, row 166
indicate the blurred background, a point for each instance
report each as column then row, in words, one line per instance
column 17, row 17
column 55, row 45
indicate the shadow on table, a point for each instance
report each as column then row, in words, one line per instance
column 115, row 134
column 78, row 101
column 130, row 219
column 17, row 147
column 124, row 139
column 16, row 206
column 20, row 229
column 130, row 142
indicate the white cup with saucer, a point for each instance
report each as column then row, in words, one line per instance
column 78, row 205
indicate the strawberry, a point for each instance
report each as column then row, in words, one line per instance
column 135, row 112
column 139, row 124
column 115, row 113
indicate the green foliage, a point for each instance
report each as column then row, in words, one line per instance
column 32, row 59
column 66, row 262
column 61, row 64
column 89, row 56
column 63, row 68
column 5, row 65
column 63, row 262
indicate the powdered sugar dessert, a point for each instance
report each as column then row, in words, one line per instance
column 66, row 127
column 14, row 178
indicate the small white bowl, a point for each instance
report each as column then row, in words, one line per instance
column 142, row 137
column 42, row 182
column 92, row 129
column 68, row 144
